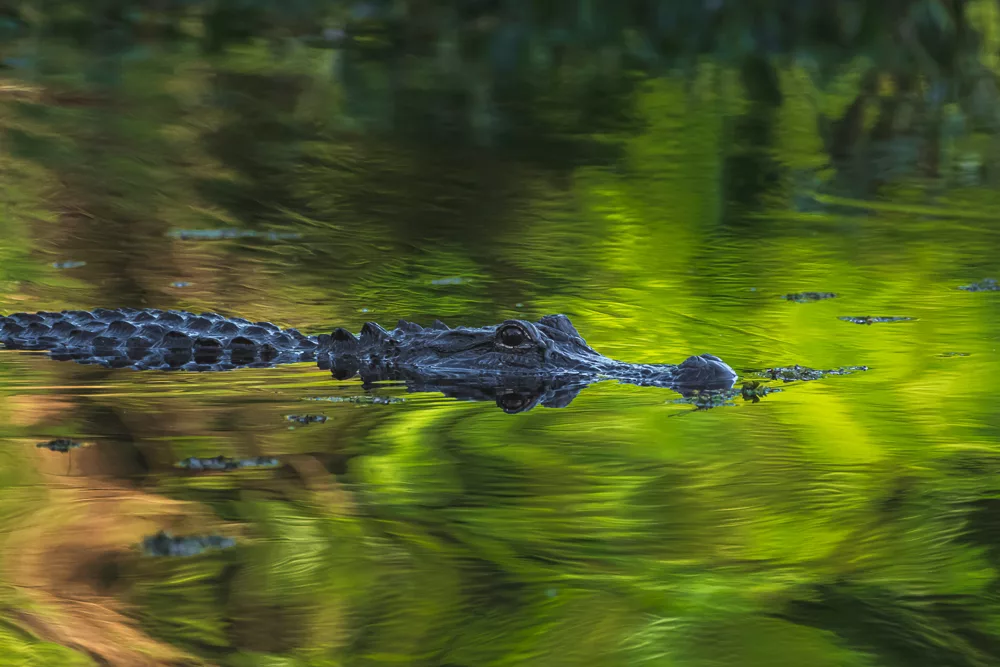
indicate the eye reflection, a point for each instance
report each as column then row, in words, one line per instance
column 513, row 402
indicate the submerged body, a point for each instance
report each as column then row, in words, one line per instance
column 545, row 361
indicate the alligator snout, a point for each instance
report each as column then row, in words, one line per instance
column 705, row 371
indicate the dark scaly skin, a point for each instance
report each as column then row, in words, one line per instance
column 155, row 339
column 517, row 363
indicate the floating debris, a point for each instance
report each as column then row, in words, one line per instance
column 987, row 285
column 954, row 354
column 60, row 445
column 180, row 284
column 868, row 319
column 806, row 297
column 225, row 234
column 225, row 463
column 334, row 34
column 163, row 544
column 307, row 419
column 16, row 63
column 359, row 400
column 68, row 265
column 803, row 374
column 329, row 38
column 453, row 280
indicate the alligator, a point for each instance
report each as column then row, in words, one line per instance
column 515, row 362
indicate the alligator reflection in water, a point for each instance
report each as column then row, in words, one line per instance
column 520, row 394
column 517, row 363
column 511, row 394
column 750, row 392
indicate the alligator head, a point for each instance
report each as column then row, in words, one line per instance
column 548, row 359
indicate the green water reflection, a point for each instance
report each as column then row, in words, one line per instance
column 851, row 521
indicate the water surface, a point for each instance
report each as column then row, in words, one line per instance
column 849, row 521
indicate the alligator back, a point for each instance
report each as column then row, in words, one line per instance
column 155, row 339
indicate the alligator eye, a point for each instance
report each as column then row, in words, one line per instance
column 512, row 335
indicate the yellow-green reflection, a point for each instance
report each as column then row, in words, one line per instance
column 848, row 521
